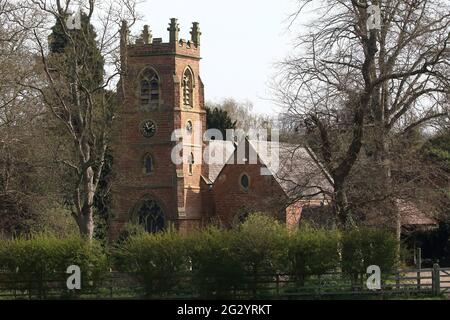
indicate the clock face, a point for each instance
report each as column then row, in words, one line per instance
column 148, row 128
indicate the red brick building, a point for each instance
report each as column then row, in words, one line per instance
column 162, row 108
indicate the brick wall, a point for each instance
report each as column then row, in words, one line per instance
column 263, row 194
column 293, row 215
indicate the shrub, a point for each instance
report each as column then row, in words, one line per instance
column 130, row 229
column 312, row 251
column 364, row 247
column 215, row 267
column 156, row 260
column 53, row 218
column 36, row 262
column 259, row 244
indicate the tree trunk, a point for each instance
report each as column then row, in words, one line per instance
column 85, row 203
column 86, row 223
column 381, row 156
column 340, row 203
column 382, row 161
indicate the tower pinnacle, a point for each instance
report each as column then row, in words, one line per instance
column 173, row 30
column 195, row 33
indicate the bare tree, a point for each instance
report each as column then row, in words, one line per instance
column 74, row 92
column 29, row 184
column 354, row 77
column 18, row 106
column 13, row 53
column 242, row 113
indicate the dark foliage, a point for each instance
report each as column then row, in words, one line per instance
column 219, row 119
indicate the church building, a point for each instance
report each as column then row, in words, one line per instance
column 162, row 106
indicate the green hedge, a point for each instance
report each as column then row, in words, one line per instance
column 216, row 269
column 260, row 244
column 156, row 260
column 364, row 247
column 312, row 251
column 209, row 263
column 34, row 264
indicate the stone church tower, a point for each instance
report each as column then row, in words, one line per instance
column 161, row 106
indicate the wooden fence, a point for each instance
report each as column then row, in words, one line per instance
column 433, row 282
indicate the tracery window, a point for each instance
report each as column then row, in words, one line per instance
column 188, row 88
column 151, row 216
column 149, row 88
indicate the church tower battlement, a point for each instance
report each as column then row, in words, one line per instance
column 146, row 45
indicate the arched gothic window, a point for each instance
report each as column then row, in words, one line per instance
column 151, row 216
column 191, row 163
column 188, row 88
column 148, row 164
column 149, row 88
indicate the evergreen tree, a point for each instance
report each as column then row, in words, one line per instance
column 219, row 119
column 85, row 53
column 438, row 150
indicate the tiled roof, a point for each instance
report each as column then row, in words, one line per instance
column 215, row 148
column 295, row 169
column 411, row 215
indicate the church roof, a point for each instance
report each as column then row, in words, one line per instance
column 295, row 168
column 227, row 149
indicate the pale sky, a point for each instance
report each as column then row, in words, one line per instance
column 241, row 40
